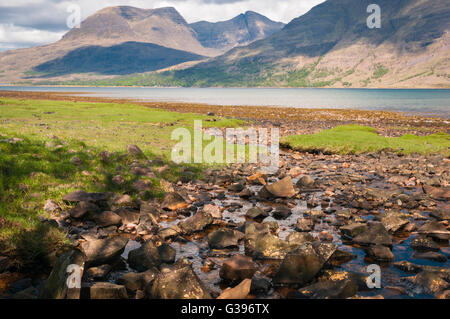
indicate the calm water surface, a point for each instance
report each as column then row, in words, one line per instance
column 412, row 101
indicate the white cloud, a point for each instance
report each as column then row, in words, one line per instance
column 13, row 37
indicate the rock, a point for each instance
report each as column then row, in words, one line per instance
column 124, row 200
column 138, row 281
column 302, row 265
column 97, row 273
column 282, row 212
column 174, row 201
column 55, row 287
column 246, row 194
column 118, row 180
column 102, row 251
column 145, row 257
column 431, row 255
column 213, row 210
column 104, row 156
column 196, row 223
column 103, row 291
column 128, row 216
column 142, row 185
column 252, row 231
column 353, row 230
column 283, row 189
column 297, row 238
column 239, row 292
column 236, row 188
column 424, row 244
column 260, row 285
column 411, row 268
column 51, row 207
column 394, row 221
column 430, row 282
column 134, row 150
column 237, row 268
column 435, row 230
column 340, row 257
column 76, row 160
column 106, row 219
column 167, row 254
column 5, row 264
column 376, row 235
column 82, row 209
column 441, row 215
column 329, row 289
column 270, row 247
column 258, row 179
column 26, row 294
column 443, row 295
column 82, row 196
column 20, row 285
column 380, row 253
column 306, row 182
column 177, row 282
column 256, row 213
column 439, row 193
column 304, row 225
column 296, row 172
column 224, row 238
column 170, row 232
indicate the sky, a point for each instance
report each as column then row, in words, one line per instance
column 26, row 23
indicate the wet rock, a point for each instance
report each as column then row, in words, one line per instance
column 341, row 289
column 196, row 223
column 282, row 212
column 439, row 193
column 241, row 291
column 236, row 188
column 134, row 150
column 82, row 196
column 430, row 282
column 270, row 247
column 297, row 238
column 55, row 287
column 213, row 210
column 104, row 291
column 252, row 231
column 237, row 268
column 441, row 215
column 280, row 189
column 302, row 265
column 260, row 285
column 170, row 232
column 411, row 268
column 177, row 282
column 245, row 194
column 353, row 230
column 424, row 244
column 431, row 255
column 380, row 253
column 128, row 216
column 394, row 221
column 376, row 235
column 102, row 251
column 340, row 257
column 173, row 202
column 224, row 238
column 145, row 257
column 306, row 182
column 256, row 213
column 167, row 254
column 443, row 295
column 435, row 230
column 82, row 209
column 138, row 281
column 304, row 225
column 106, row 219
column 96, row 273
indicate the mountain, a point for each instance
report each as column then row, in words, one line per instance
column 332, row 46
column 124, row 40
column 241, row 30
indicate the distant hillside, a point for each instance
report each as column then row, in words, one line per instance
column 241, row 30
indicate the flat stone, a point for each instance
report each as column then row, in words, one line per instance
column 102, row 251
column 237, row 268
column 424, row 244
column 241, row 291
column 82, row 209
column 196, row 223
column 353, row 230
column 281, row 189
column 435, row 230
column 282, row 212
column 431, row 255
column 224, row 238
column 256, row 213
column 105, row 291
column 376, row 235
column 380, row 253
column 106, row 219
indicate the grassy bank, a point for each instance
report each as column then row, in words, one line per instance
column 355, row 139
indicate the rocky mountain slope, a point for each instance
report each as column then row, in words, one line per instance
column 115, row 39
column 241, row 30
column 331, row 45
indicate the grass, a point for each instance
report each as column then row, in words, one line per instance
column 355, row 139
column 38, row 165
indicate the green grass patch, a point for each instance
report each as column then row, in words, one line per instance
column 355, row 139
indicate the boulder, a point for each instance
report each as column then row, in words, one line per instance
column 167, row 254
column 138, row 281
column 82, row 209
column 430, row 283
column 96, row 273
column 173, row 202
column 252, row 231
column 241, row 291
column 280, row 189
column 296, row 238
column 329, row 289
column 103, row 251
column 268, row 246
column 394, row 221
column 82, row 196
column 282, row 212
column 376, row 235
column 213, row 210
column 104, row 291
column 439, row 193
column 256, row 213
column 106, row 219
column 224, row 238
column 302, row 265
column 145, row 257
column 424, row 244
column 431, row 255
column 306, row 182
column 55, row 287
column 196, row 223
column 237, row 268
column 304, row 225
column 353, row 230
column 128, row 216
column 177, row 282
column 380, row 253
column 435, row 230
